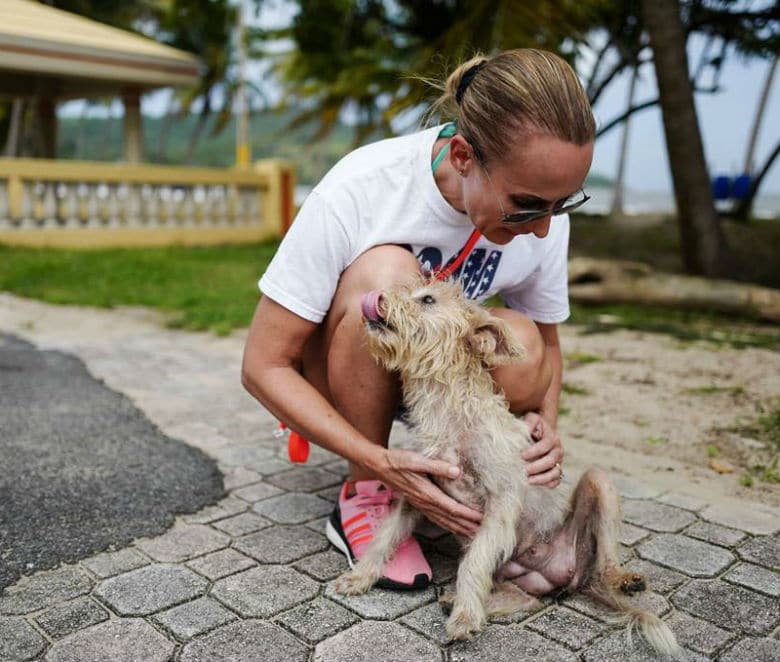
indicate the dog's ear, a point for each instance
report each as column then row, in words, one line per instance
column 494, row 343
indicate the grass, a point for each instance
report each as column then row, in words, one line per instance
column 571, row 389
column 203, row 288
column 734, row 391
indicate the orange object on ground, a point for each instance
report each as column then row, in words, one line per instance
column 297, row 448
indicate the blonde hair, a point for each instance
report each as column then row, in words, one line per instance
column 522, row 91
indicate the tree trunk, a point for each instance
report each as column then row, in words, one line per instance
column 751, row 148
column 594, row 281
column 701, row 236
column 617, row 201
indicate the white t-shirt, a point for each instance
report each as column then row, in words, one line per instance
column 385, row 193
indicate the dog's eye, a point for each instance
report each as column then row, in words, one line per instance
column 427, row 300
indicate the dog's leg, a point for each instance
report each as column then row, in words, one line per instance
column 596, row 518
column 394, row 530
column 492, row 545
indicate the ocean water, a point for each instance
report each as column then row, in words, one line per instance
column 634, row 202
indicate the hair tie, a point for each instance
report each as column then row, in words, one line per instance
column 465, row 81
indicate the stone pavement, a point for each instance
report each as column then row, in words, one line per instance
column 251, row 577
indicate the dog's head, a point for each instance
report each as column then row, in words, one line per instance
column 428, row 329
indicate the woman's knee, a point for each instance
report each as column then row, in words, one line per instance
column 380, row 266
column 525, row 383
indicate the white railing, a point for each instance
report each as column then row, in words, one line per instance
column 80, row 203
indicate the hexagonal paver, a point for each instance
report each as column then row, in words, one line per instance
column 44, row 589
column 755, row 577
column 686, row 501
column 245, row 641
column 382, row 604
column 239, row 455
column 656, row 516
column 728, row 606
column 120, row 640
column 257, row 492
column 764, row 551
column 305, row 480
column 221, row 564
column 753, row 650
column 698, row 635
column 18, row 640
column 693, row 557
column 508, row 643
column 630, row 534
column 428, row 620
column 264, row 591
column 370, row 641
column 242, row 524
column 324, row 566
column 715, row 533
column 293, row 508
column 647, row 600
column 659, row 579
column 226, row 508
column 150, row 589
column 115, row 563
column 192, row 618
column 70, row 617
column 182, row 542
column 616, row 648
column 316, row 620
column 567, row 627
column 282, row 544
column 758, row 519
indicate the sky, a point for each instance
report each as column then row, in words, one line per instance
column 725, row 119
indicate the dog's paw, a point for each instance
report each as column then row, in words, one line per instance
column 353, row 583
column 446, row 600
column 632, row 583
column 462, row 625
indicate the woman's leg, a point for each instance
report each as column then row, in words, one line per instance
column 336, row 360
column 524, row 384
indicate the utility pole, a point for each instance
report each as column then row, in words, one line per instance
column 243, row 152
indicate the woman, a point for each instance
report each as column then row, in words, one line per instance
column 511, row 166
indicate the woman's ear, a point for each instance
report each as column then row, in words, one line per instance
column 461, row 155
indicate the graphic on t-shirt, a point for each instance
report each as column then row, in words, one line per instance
column 476, row 273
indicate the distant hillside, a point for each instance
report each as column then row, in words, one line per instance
column 97, row 139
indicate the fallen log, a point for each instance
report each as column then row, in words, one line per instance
column 594, row 281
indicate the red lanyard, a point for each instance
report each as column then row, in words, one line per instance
column 442, row 274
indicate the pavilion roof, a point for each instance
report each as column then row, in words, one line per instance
column 47, row 50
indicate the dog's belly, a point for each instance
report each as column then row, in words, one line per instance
column 542, row 567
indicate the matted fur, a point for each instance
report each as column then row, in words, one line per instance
column 443, row 347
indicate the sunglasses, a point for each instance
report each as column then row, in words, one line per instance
column 528, row 215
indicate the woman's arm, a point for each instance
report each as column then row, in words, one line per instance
column 271, row 373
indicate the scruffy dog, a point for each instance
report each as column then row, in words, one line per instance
column 443, row 347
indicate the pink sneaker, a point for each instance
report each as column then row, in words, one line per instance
column 351, row 527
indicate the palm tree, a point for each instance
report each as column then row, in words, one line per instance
column 701, row 236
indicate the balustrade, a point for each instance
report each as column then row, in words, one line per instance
column 78, row 203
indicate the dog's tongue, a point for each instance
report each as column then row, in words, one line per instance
column 369, row 305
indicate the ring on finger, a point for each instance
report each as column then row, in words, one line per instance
column 560, row 470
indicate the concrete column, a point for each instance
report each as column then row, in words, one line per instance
column 132, row 130
column 46, row 109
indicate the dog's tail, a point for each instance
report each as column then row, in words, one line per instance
column 653, row 629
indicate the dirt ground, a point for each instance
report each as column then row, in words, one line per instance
column 649, row 407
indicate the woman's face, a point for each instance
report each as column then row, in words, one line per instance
column 537, row 174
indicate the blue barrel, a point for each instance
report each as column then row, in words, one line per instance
column 741, row 187
column 721, row 187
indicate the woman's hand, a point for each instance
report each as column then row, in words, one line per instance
column 407, row 472
column 545, row 457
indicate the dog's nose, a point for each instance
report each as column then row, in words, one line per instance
column 369, row 305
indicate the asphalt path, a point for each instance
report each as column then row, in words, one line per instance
column 81, row 468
